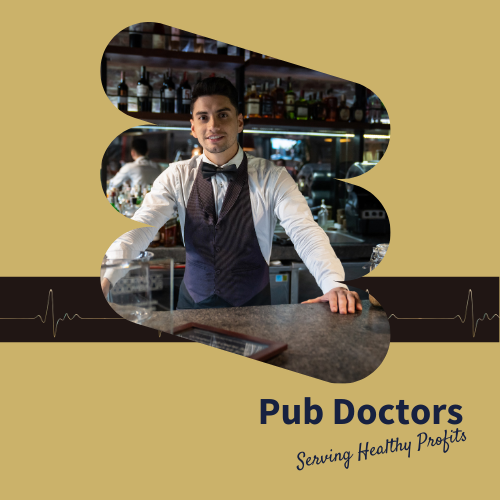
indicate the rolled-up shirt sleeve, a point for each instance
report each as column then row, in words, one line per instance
column 159, row 205
column 310, row 241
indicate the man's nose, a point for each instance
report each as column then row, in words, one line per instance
column 213, row 123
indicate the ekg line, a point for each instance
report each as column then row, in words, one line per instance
column 474, row 325
column 55, row 324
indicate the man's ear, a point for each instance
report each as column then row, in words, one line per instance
column 193, row 133
column 240, row 123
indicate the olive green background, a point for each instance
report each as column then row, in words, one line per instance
column 182, row 421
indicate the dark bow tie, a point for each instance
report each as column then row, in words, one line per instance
column 208, row 170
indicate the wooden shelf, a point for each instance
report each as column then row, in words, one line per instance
column 162, row 119
column 129, row 57
column 311, row 125
column 256, row 66
column 123, row 57
column 294, row 126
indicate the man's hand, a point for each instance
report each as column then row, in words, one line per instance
column 105, row 286
column 341, row 300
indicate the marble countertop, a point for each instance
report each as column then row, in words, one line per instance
column 331, row 347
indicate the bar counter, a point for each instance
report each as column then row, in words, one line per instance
column 344, row 251
column 327, row 346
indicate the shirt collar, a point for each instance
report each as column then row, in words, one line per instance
column 235, row 160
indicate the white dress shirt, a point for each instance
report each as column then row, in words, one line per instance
column 140, row 171
column 273, row 195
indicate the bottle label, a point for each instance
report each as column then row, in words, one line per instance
column 200, row 40
column 175, row 34
column 344, row 114
column 122, row 100
column 169, row 94
column 186, row 96
column 158, row 41
column 290, row 99
column 267, row 107
column 358, row 115
column 252, row 107
column 302, row 111
column 142, row 90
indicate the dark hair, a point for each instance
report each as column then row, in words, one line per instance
column 215, row 86
column 140, row 146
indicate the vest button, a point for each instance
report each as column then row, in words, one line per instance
column 217, row 249
column 217, row 292
column 218, row 271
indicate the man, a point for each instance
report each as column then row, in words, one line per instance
column 228, row 204
column 141, row 170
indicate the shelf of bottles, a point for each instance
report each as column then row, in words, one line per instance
column 300, row 98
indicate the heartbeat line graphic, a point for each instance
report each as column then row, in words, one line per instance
column 55, row 323
column 474, row 325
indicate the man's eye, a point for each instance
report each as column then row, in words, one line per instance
column 223, row 115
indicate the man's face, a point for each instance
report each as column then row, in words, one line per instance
column 216, row 123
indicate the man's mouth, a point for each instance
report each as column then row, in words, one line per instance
column 215, row 138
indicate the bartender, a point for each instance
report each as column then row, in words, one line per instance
column 141, row 171
column 228, row 203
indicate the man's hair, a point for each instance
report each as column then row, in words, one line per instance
column 140, row 146
column 215, row 86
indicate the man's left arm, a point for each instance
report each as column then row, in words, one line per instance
column 313, row 246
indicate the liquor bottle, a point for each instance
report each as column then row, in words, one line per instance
column 140, row 197
column 143, row 92
column 357, row 112
column 374, row 109
column 343, row 112
column 168, row 94
column 301, row 107
column 114, row 202
column 135, row 38
column 278, row 94
column 170, row 233
column 384, row 116
column 221, row 48
column 159, row 238
column 198, row 78
column 175, row 39
column 290, row 101
column 330, row 106
column 150, row 103
column 311, row 103
column 159, row 36
column 323, row 215
column 184, row 96
column 266, row 102
column 199, row 44
column 122, row 93
column 252, row 103
column 255, row 55
column 319, row 107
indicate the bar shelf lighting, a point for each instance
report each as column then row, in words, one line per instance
column 276, row 132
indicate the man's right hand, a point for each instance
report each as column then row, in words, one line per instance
column 105, row 285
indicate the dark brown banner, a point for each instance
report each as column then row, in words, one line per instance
column 437, row 309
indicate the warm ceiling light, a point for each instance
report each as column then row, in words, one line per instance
column 290, row 132
column 371, row 136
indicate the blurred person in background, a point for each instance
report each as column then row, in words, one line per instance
column 140, row 171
